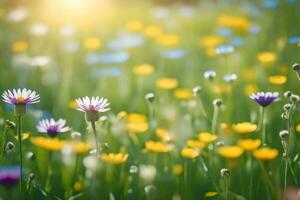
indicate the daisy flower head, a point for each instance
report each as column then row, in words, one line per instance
column 265, row 98
column 92, row 107
column 20, row 98
column 52, row 127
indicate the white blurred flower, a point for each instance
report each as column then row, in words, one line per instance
column 90, row 162
column 67, row 30
column 147, row 173
column 68, row 157
column 17, row 15
column 40, row 61
column 39, row 29
column 230, row 78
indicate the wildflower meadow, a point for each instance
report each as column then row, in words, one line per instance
column 150, row 99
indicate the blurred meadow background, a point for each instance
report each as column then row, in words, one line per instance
column 178, row 76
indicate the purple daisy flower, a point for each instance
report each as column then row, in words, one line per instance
column 52, row 127
column 265, row 98
column 17, row 97
column 20, row 98
column 92, row 107
column 9, row 175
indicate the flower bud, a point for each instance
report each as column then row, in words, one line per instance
column 217, row 102
column 287, row 106
column 10, row 124
column 284, row 116
column 284, row 134
column 294, row 98
column 296, row 66
column 225, row 172
column 287, row 94
column 76, row 135
column 30, row 156
column 197, row 90
column 31, row 176
column 220, row 143
column 150, row 97
column 9, row 146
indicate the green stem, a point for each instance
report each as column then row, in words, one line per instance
column 262, row 125
column 298, row 75
column 20, row 151
column 95, row 135
column 226, row 181
column 215, row 120
column 285, row 172
column 48, row 181
column 251, row 176
column 3, row 143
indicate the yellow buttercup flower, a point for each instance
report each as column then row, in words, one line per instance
column 25, row 136
column 168, row 40
column 139, row 127
column 230, row 152
column 244, row 127
column 236, row 22
column 210, row 194
column 50, row 144
column 265, row 153
column 114, row 158
column 152, row 31
column 211, row 41
column 79, row 147
column 207, row 137
column 250, row 89
column 73, row 105
column 267, row 57
column 166, row 83
column 143, row 70
column 195, row 144
column 122, row 115
column 78, row 186
column 177, row 169
column 158, row 147
column 19, row 46
column 226, row 128
column 92, row 43
column 298, row 127
column 189, row 153
column 249, row 144
column 183, row 94
column 136, row 118
column 134, row 25
column 162, row 134
column 221, row 88
column 137, row 123
column 277, row 80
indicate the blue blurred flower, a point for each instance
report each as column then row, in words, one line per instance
column 224, row 32
column 224, row 49
column 237, row 41
column 126, row 40
column 175, row 54
column 117, row 57
column 107, row 72
column 294, row 39
column 254, row 28
column 9, row 175
column 271, row 4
